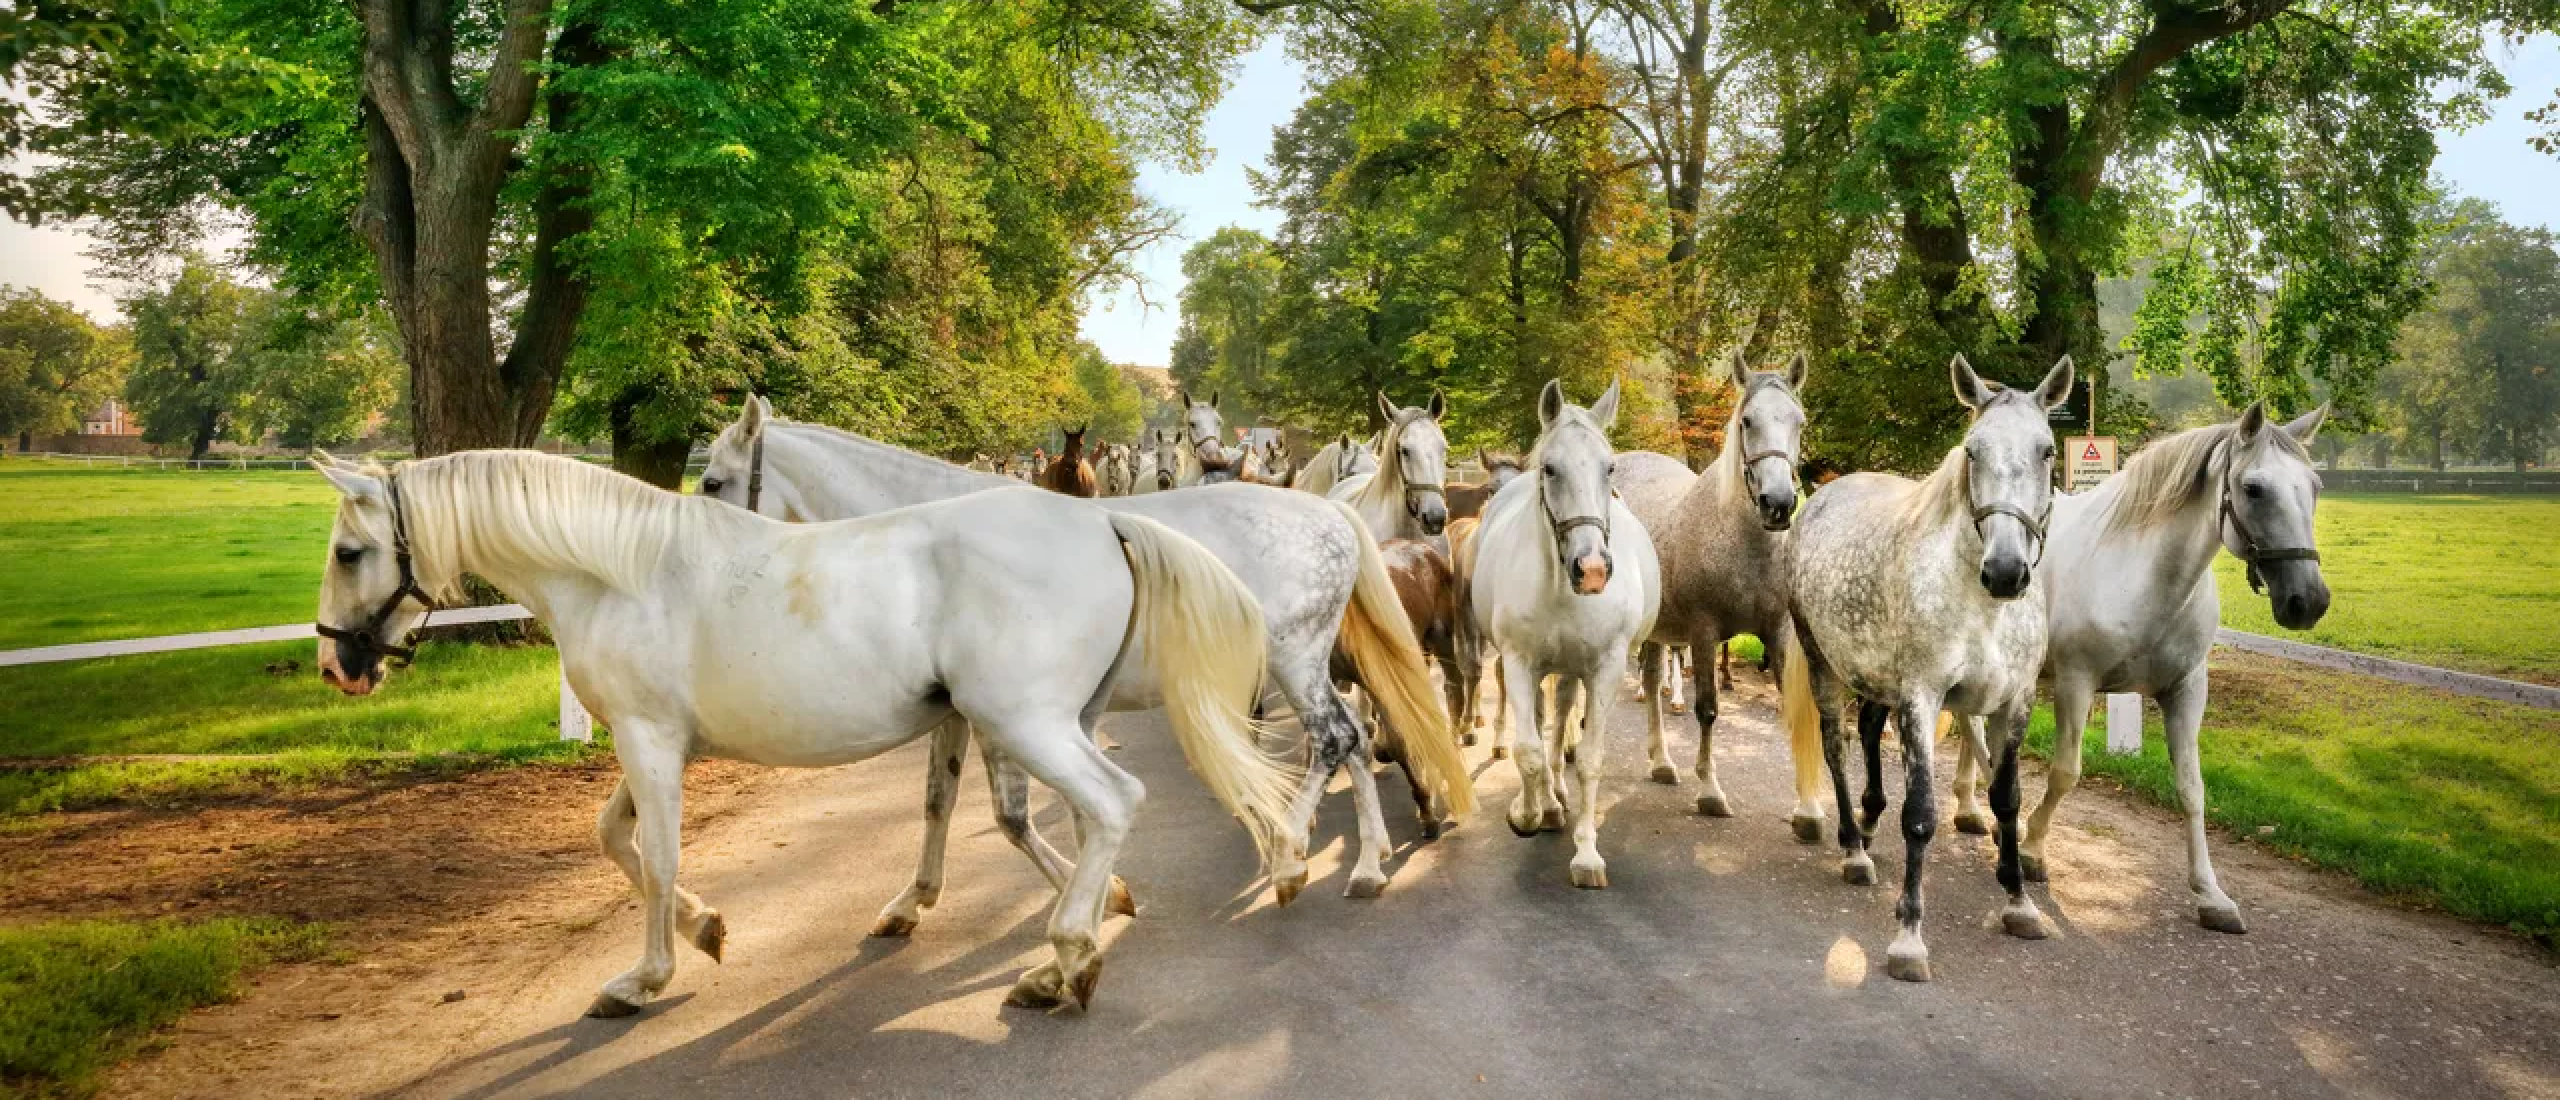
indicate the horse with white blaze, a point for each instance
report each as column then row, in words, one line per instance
column 1563, row 580
column 1921, row 595
column 1311, row 565
column 2134, row 608
column 697, row 629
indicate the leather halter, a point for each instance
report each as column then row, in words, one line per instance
column 2034, row 524
column 366, row 640
column 755, row 473
column 2251, row 551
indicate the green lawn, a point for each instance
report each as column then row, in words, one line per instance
column 2471, row 583
column 98, row 553
column 75, row 997
column 2414, row 793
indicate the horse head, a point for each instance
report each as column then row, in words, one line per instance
column 734, row 469
column 1499, row 468
column 1204, row 427
column 2008, row 475
column 1768, row 426
column 2269, row 495
column 1574, row 459
column 370, row 598
column 1413, row 441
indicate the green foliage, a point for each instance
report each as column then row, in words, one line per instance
column 193, row 368
column 55, row 365
column 1112, row 409
column 2481, row 366
column 78, row 996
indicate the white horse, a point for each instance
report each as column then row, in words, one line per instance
column 1116, row 470
column 694, row 629
column 1564, row 580
column 1723, row 541
column 1203, row 457
column 1404, row 498
column 1314, row 569
column 1922, row 596
column 1335, row 462
column 1158, row 464
column 2133, row 604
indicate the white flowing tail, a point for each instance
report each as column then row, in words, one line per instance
column 1204, row 633
column 1378, row 637
column 1796, row 710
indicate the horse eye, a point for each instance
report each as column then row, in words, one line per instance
column 2254, row 491
column 1751, row 422
column 1548, row 469
column 349, row 555
column 711, row 485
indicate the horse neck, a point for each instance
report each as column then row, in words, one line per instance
column 2173, row 553
column 1941, row 503
column 840, row 475
column 547, row 534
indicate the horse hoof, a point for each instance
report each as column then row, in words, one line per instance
column 2222, row 920
column 1365, row 887
column 1286, row 889
column 1500, row 751
column 1907, row 968
column 1120, row 903
column 1467, row 740
column 1430, row 830
column 1808, row 829
column 1517, row 829
column 609, row 1007
column 1666, row 774
column 893, row 926
column 1040, row 987
column 1972, row 824
column 2026, row 924
column 1679, row 708
column 1553, row 822
column 1714, row 805
column 1858, row 874
column 2031, row 866
column 712, row 936
column 1085, row 981
column 1591, row 878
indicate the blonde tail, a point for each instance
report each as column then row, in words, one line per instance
column 1379, row 639
column 1796, row 710
column 1204, row 633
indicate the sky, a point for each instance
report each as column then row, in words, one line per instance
column 2490, row 161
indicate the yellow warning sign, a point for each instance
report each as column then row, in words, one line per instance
column 2093, row 460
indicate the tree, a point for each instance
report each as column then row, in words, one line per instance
column 2482, row 364
column 55, row 365
column 317, row 379
column 1111, row 409
column 194, row 367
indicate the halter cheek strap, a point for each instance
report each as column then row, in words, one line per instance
column 2033, row 524
column 2251, row 551
column 755, row 473
column 367, row 639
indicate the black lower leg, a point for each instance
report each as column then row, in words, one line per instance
column 1835, row 756
column 1871, row 718
column 1919, row 806
column 2004, row 808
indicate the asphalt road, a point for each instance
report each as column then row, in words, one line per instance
column 1724, row 959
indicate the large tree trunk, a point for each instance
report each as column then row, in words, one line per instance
column 2438, row 434
column 658, row 462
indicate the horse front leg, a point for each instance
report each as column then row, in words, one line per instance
column 2182, row 711
column 2020, row 919
column 699, row 924
column 1711, row 801
column 1856, row 868
column 946, row 745
column 2071, row 700
column 1528, row 808
column 1907, row 958
column 1652, row 658
column 1588, row 870
column 1871, row 719
column 653, row 774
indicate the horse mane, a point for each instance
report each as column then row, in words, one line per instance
column 887, row 453
column 1389, row 480
column 535, row 511
column 2164, row 478
column 1944, row 492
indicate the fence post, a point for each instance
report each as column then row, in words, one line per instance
column 2124, row 723
column 575, row 723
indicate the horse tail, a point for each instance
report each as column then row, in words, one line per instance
column 1388, row 661
column 1803, row 720
column 1204, row 635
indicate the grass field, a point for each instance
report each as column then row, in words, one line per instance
column 77, row 996
column 2414, row 793
column 2471, row 583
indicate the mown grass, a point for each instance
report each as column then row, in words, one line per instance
column 459, row 706
column 112, row 553
column 77, row 996
column 2464, row 582
column 2414, row 793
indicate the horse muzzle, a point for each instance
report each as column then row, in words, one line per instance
column 1590, row 573
column 2296, row 593
column 1777, row 509
column 359, row 683
column 1432, row 514
column 2006, row 577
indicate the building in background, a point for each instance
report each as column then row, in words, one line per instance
column 110, row 418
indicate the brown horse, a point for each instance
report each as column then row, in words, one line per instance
column 1071, row 474
column 1468, row 500
column 1428, row 588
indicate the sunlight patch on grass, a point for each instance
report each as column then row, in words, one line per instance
column 77, row 996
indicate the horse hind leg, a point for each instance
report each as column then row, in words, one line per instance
column 1105, row 799
column 1856, row 867
column 2071, row 700
column 1907, row 959
column 1009, row 793
column 653, row 782
column 699, row 924
column 1651, row 660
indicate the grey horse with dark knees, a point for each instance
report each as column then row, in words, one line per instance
column 1722, row 538
column 1922, row 595
column 2134, row 606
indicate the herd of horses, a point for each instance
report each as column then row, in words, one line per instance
column 1185, row 575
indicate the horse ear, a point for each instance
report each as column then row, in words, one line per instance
column 1738, row 369
column 1550, row 402
column 355, row 484
column 1386, row 408
column 1182, row 394
column 1796, row 370
column 1605, row 410
column 1344, row 442
column 1213, row 399
column 2307, row 428
column 1438, row 405
column 751, row 416
column 1969, row 386
column 1484, row 462
column 2253, row 420
column 2056, row 387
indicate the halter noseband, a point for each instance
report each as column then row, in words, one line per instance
column 2033, row 524
column 367, row 639
column 2251, row 551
